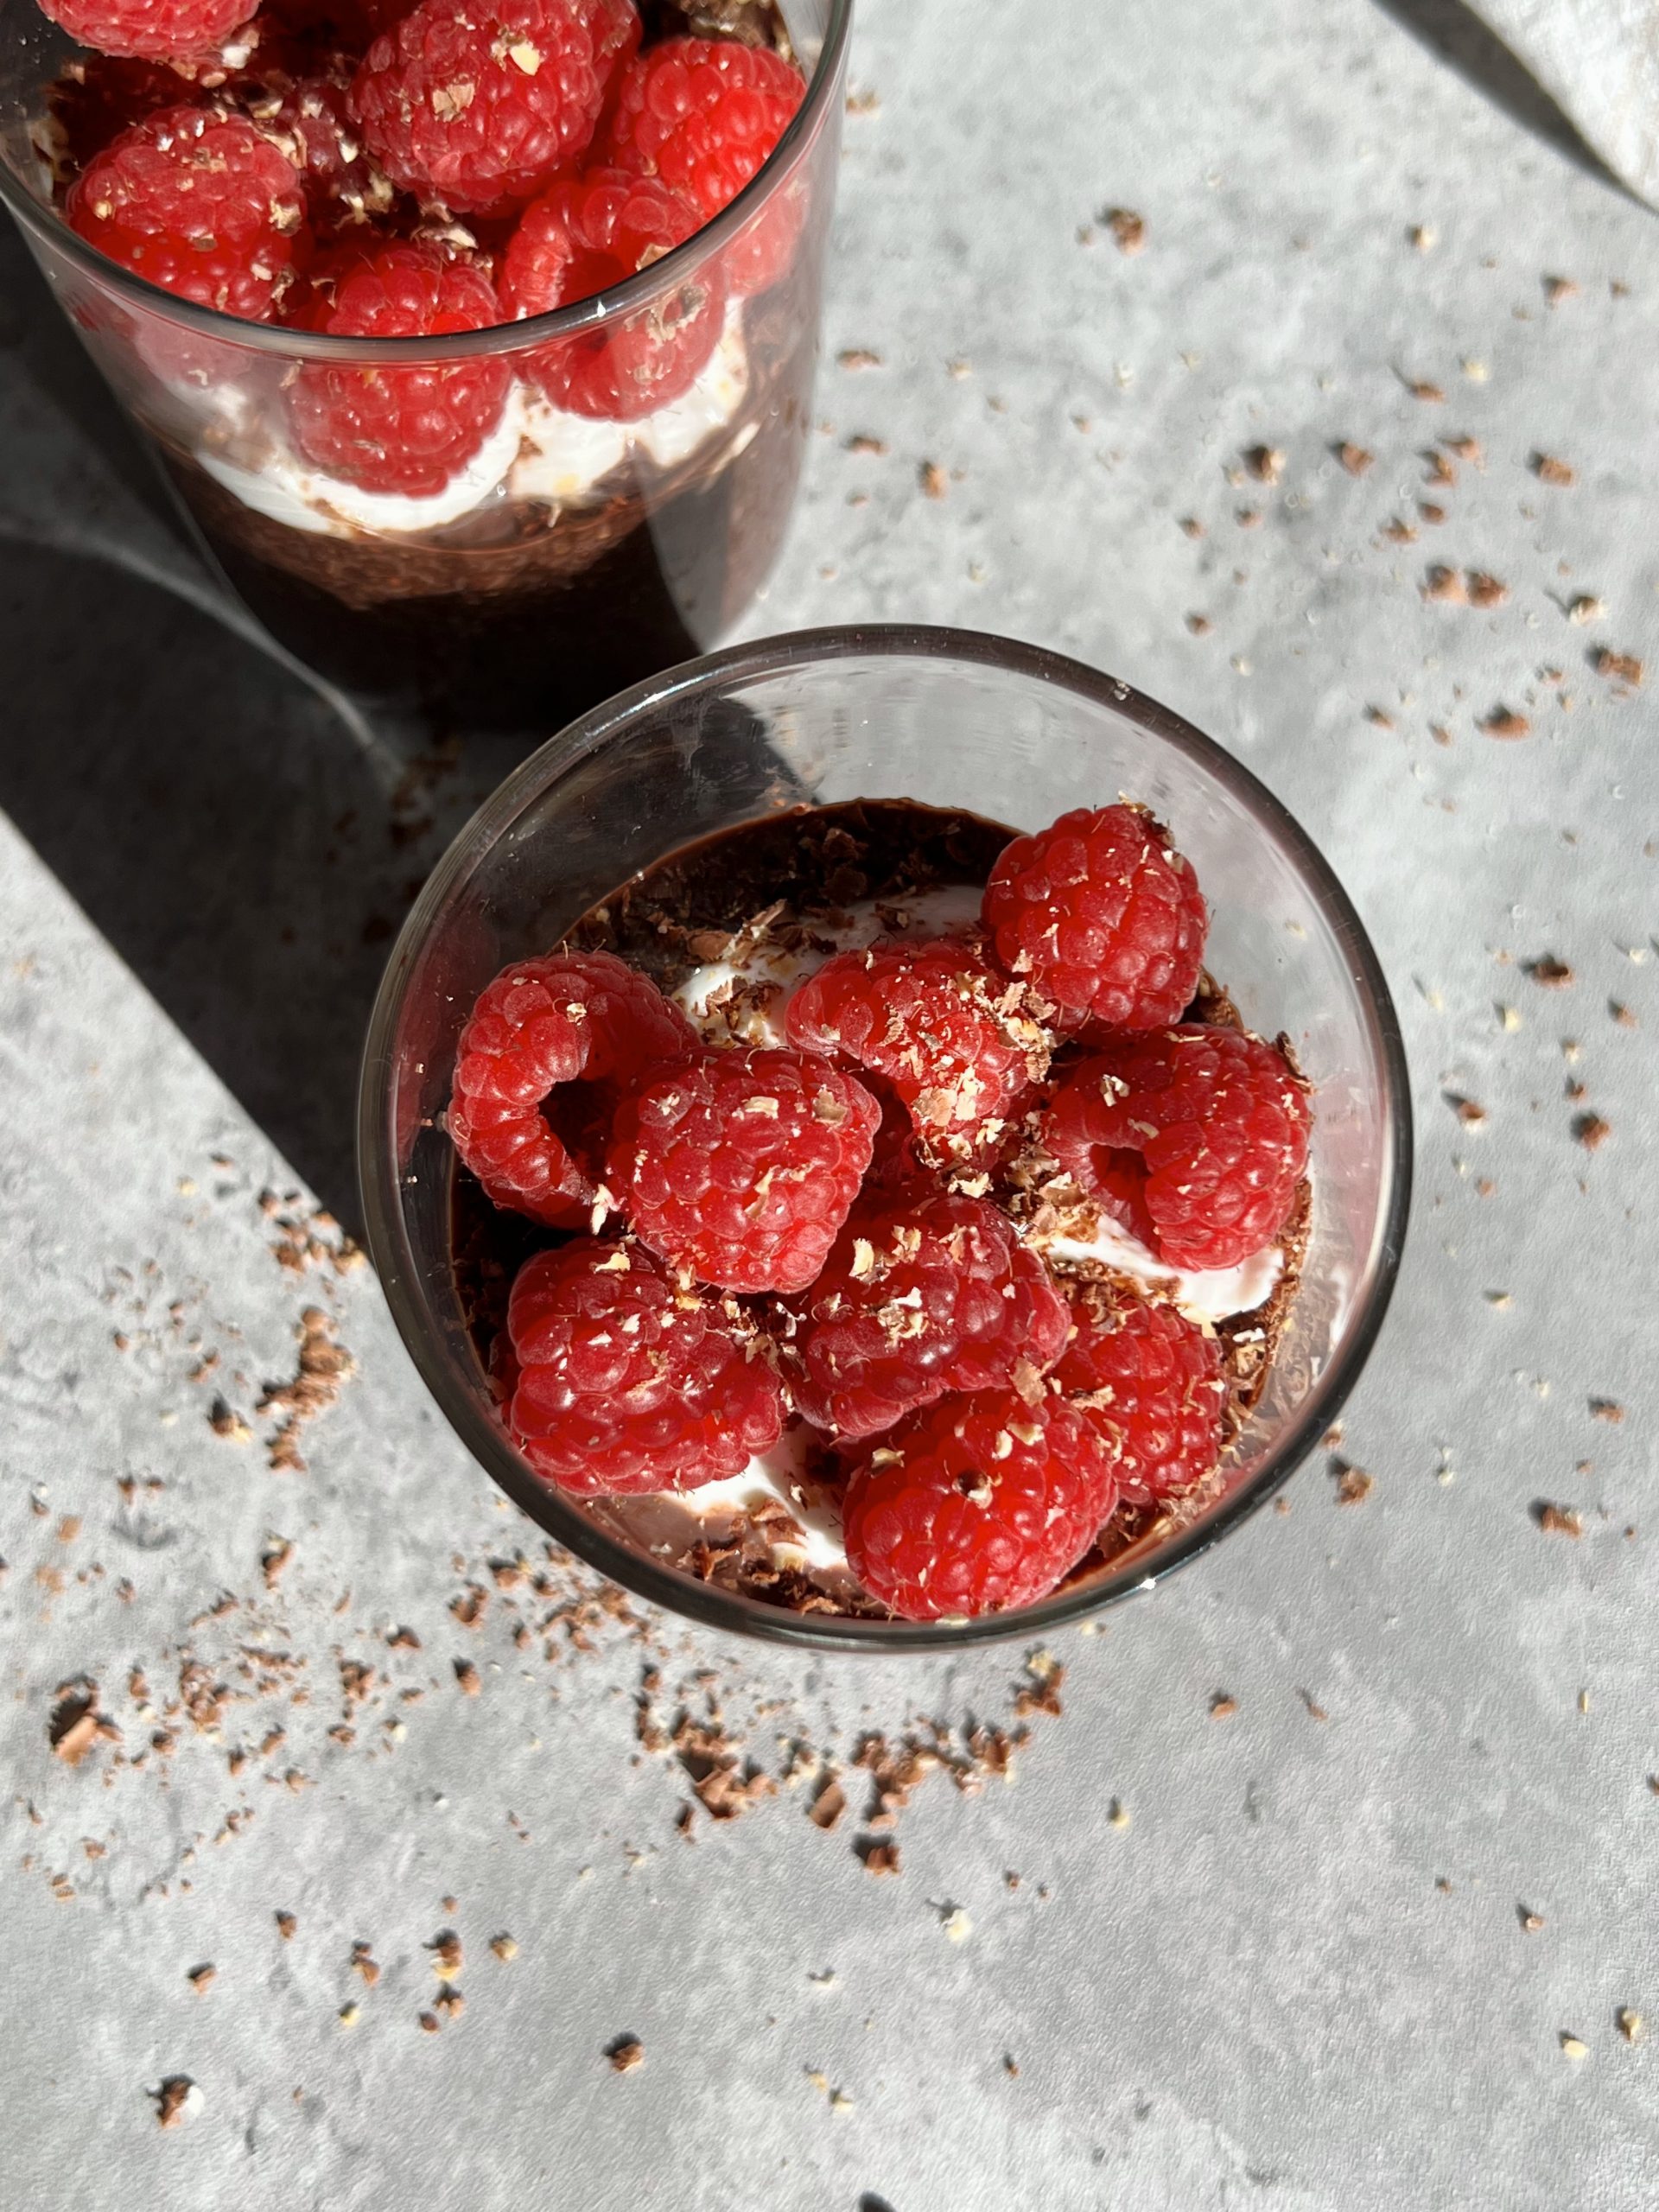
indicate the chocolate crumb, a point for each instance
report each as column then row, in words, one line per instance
column 879, row 1857
column 1420, row 389
column 1199, row 624
column 1550, row 973
column 1472, row 1115
column 1353, row 1484
column 860, row 442
column 1355, row 459
column 466, row 1678
column 858, row 357
column 428, row 2022
column 1503, row 722
column 1608, row 1409
column 173, row 2099
column 1548, row 470
column 76, row 1724
column 1623, row 668
column 932, row 479
column 1222, row 1707
column 1128, row 230
column 1484, row 590
column 1559, row 1520
column 286, row 1924
column 1592, row 1130
column 1445, row 585
column 201, row 1978
column 827, row 1806
column 624, row 2053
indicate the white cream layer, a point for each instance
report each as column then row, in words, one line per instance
column 536, row 451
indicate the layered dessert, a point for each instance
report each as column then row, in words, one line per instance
column 506, row 526
column 880, row 1212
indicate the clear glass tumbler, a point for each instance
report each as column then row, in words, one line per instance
column 958, row 721
column 571, row 556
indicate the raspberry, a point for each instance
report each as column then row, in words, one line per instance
column 1194, row 1138
column 740, row 1167
column 479, row 104
column 397, row 428
column 923, row 1293
column 155, row 30
column 307, row 117
column 1102, row 917
column 98, row 95
column 1150, row 1381
column 588, row 235
column 947, row 1032
column 626, row 1383
column 703, row 114
column 976, row 1505
column 573, row 1017
column 195, row 200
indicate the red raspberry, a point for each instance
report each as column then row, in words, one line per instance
column 1150, row 1381
column 739, row 1168
column 703, row 114
column 479, row 104
column 1102, row 917
column 98, row 95
column 975, row 1505
column 626, row 1383
column 198, row 201
column 399, row 428
column 588, row 235
column 309, row 118
column 923, row 1293
column 1194, row 1138
column 573, row 1017
column 157, row 31
column 947, row 1032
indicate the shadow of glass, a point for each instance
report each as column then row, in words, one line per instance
column 1461, row 40
column 242, row 852
column 41, row 349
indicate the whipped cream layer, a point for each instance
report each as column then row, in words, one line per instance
column 536, row 451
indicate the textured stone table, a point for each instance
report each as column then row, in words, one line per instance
column 1364, row 1943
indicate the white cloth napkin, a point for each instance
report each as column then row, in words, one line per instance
column 1598, row 60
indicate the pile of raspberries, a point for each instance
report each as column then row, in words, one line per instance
column 811, row 1230
column 377, row 170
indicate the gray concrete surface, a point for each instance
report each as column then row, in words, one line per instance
column 1298, row 1978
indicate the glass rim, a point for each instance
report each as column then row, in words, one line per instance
column 564, row 1518
column 282, row 343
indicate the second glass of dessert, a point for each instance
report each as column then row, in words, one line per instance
column 477, row 340
column 860, row 1189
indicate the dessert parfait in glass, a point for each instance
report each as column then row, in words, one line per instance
column 885, row 1138
column 475, row 336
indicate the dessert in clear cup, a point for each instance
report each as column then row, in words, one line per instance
column 877, row 1213
column 424, row 488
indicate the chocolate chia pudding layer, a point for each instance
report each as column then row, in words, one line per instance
column 522, row 615
column 755, row 907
